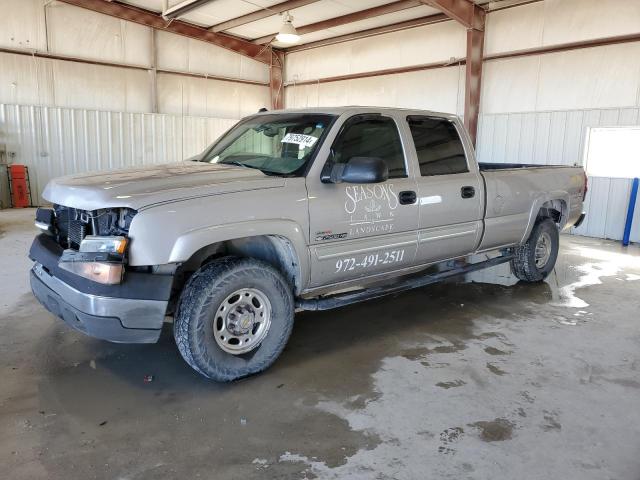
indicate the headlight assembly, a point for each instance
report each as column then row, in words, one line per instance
column 94, row 244
column 101, row 272
column 99, row 259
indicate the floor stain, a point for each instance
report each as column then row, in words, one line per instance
column 495, row 351
column 448, row 437
column 551, row 421
column 452, row 384
column 496, row 430
column 495, row 369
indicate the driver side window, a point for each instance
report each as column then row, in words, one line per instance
column 371, row 136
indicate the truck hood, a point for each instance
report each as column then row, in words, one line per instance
column 142, row 187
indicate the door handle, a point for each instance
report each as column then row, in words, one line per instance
column 408, row 197
column 467, row 192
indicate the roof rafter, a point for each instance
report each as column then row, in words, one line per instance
column 349, row 18
column 154, row 20
column 183, row 8
column 260, row 14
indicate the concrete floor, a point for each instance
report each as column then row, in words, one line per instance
column 467, row 380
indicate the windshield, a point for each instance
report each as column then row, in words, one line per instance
column 277, row 144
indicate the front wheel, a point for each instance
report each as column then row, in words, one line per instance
column 535, row 259
column 234, row 318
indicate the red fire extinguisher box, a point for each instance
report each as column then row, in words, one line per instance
column 18, row 178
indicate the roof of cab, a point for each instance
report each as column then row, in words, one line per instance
column 358, row 109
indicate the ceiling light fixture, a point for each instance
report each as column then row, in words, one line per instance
column 288, row 33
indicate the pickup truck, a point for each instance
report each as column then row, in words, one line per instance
column 289, row 210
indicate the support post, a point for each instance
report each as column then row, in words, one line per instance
column 276, row 79
column 473, row 81
column 630, row 211
column 472, row 17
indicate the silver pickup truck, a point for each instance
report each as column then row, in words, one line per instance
column 289, row 210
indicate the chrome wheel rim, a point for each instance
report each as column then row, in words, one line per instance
column 242, row 321
column 543, row 250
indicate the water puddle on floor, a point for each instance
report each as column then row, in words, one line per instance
column 602, row 264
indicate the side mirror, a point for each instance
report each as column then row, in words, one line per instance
column 358, row 170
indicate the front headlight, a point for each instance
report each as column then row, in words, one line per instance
column 99, row 259
column 107, row 273
column 94, row 244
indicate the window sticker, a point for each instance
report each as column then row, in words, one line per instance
column 299, row 139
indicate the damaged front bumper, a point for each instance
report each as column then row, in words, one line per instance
column 130, row 312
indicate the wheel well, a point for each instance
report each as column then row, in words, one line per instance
column 276, row 250
column 556, row 210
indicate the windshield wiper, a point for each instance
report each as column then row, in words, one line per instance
column 240, row 164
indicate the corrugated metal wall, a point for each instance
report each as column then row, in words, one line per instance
column 547, row 138
column 54, row 141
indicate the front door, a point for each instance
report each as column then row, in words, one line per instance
column 360, row 230
column 450, row 192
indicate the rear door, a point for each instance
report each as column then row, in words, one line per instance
column 359, row 230
column 450, row 190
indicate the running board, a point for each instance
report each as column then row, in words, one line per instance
column 342, row 299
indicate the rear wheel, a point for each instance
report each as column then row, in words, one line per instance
column 234, row 318
column 535, row 259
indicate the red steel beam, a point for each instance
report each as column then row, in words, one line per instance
column 153, row 20
column 473, row 81
column 472, row 17
column 463, row 11
column 276, row 80
column 260, row 14
column 349, row 18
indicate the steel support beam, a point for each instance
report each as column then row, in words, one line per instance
column 260, row 14
column 472, row 17
column 153, row 20
column 276, row 80
column 473, row 81
column 349, row 18
column 462, row 11
column 183, row 8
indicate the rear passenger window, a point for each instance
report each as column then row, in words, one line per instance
column 371, row 137
column 438, row 146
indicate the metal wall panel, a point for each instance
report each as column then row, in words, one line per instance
column 79, row 32
column 54, row 141
column 415, row 46
column 559, row 137
column 559, row 21
column 177, row 53
column 440, row 90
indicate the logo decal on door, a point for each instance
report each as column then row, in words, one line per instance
column 370, row 208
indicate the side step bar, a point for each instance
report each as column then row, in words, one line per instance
column 342, row 299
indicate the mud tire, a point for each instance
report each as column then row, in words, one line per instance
column 523, row 264
column 200, row 298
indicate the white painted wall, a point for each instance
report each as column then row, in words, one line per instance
column 65, row 30
column 438, row 89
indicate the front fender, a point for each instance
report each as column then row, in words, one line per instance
column 190, row 242
column 181, row 247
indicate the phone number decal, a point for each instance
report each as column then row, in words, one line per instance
column 369, row 261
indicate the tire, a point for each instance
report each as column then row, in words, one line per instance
column 207, row 302
column 524, row 264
